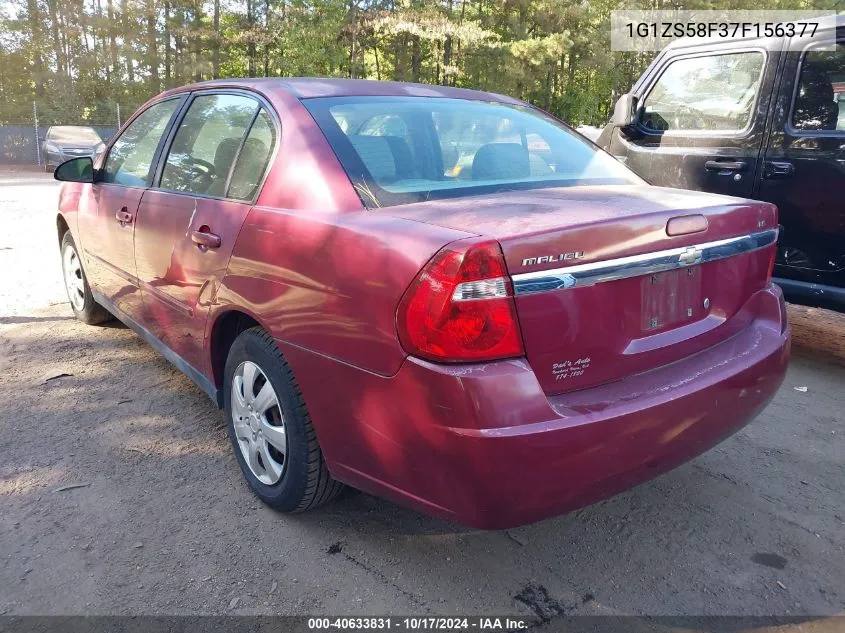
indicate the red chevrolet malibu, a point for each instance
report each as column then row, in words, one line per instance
column 440, row 296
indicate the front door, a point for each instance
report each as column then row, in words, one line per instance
column 107, row 220
column 701, row 121
column 804, row 170
column 187, row 225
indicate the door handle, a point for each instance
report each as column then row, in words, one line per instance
column 726, row 165
column 123, row 216
column 204, row 239
column 778, row 169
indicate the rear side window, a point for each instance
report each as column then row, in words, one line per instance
column 206, row 144
column 820, row 97
column 717, row 93
column 253, row 159
column 399, row 150
column 131, row 156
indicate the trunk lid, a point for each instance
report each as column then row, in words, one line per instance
column 603, row 290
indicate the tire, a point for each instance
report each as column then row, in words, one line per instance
column 76, row 284
column 296, row 478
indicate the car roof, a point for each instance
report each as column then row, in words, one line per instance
column 316, row 87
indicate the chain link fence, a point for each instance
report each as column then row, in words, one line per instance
column 22, row 138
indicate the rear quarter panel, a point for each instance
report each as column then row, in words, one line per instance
column 329, row 283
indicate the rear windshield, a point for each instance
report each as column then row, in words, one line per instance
column 73, row 133
column 398, row 150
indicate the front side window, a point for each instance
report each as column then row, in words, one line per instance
column 820, row 97
column 715, row 93
column 206, row 144
column 131, row 157
column 398, row 150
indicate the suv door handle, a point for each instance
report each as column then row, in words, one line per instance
column 204, row 239
column 123, row 216
column 778, row 169
column 726, row 165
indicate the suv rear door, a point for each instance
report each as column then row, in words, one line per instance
column 702, row 117
column 804, row 173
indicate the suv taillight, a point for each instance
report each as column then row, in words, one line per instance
column 460, row 308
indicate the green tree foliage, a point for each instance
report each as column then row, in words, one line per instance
column 79, row 59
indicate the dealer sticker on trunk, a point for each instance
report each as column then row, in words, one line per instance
column 570, row 368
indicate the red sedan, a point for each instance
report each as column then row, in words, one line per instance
column 440, row 296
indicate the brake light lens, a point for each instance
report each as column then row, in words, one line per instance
column 460, row 307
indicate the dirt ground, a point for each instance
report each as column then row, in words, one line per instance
column 119, row 494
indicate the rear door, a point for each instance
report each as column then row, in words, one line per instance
column 701, row 119
column 187, row 223
column 804, row 170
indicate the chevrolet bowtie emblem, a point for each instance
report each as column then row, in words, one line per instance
column 690, row 256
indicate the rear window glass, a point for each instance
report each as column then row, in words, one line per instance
column 398, row 150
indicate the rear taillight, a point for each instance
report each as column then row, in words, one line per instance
column 460, row 307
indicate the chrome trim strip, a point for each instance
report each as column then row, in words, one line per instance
column 637, row 265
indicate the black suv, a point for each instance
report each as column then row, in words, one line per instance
column 750, row 118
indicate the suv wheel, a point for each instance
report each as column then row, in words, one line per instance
column 78, row 291
column 269, row 427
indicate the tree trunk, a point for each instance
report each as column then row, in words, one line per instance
column 215, row 59
column 416, row 59
column 166, row 36
column 447, row 59
column 353, row 25
column 128, row 29
column 115, row 69
column 197, row 35
column 37, row 59
column 57, row 42
column 267, row 38
column 250, row 52
column 152, row 45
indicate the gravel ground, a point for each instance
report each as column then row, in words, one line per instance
column 162, row 522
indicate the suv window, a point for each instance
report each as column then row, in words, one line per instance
column 131, row 156
column 253, row 159
column 820, row 98
column 716, row 92
column 206, row 144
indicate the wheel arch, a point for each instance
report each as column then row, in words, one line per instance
column 62, row 226
column 225, row 328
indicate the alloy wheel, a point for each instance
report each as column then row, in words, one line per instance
column 258, row 423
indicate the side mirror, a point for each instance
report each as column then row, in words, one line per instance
column 75, row 170
column 623, row 112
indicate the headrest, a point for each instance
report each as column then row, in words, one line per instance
column 251, row 165
column 500, row 161
column 376, row 155
column 225, row 155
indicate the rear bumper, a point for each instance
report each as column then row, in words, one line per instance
column 484, row 445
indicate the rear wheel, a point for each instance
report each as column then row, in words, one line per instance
column 78, row 291
column 269, row 427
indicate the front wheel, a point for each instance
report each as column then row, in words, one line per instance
column 78, row 291
column 269, row 427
